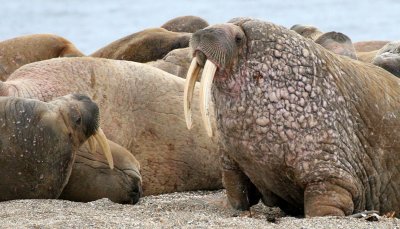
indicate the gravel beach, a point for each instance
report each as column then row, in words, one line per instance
column 176, row 210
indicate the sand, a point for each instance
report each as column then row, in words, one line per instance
column 177, row 210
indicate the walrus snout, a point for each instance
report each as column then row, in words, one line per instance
column 136, row 193
column 218, row 43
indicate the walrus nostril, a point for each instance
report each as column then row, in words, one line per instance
column 136, row 193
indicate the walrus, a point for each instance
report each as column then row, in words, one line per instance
column 187, row 24
column 26, row 49
column 91, row 179
column 140, row 107
column 38, row 143
column 144, row 46
column 300, row 128
column 388, row 58
column 307, row 31
column 368, row 46
column 338, row 43
column 176, row 62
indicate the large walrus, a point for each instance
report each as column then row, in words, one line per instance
column 141, row 111
column 186, row 24
column 38, row 143
column 301, row 128
column 144, row 46
column 26, row 49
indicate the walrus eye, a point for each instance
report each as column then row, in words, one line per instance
column 238, row 39
column 78, row 121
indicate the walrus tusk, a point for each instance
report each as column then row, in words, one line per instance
column 105, row 147
column 205, row 91
column 190, row 82
column 92, row 145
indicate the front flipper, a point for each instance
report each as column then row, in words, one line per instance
column 241, row 192
column 327, row 199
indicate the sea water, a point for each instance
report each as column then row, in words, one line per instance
column 92, row 24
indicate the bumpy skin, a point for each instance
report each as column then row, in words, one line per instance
column 338, row 43
column 314, row 132
column 368, row 46
column 187, row 24
column 141, row 111
column 38, row 143
column 92, row 179
column 144, row 46
column 31, row 48
column 388, row 58
column 176, row 62
column 307, row 31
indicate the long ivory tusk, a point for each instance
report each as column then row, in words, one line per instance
column 205, row 91
column 105, row 147
column 92, row 144
column 190, row 82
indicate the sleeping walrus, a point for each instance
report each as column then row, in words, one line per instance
column 140, row 107
column 144, row 46
column 300, row 128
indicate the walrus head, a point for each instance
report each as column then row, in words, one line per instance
column 388, row 58
column 338, row 43
column 39, row 141
column 82, row 113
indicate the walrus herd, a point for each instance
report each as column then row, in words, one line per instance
column 297, row 118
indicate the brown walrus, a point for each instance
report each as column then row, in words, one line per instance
column 338, row 43
column 91, row 179
column 388, row 58
column 23, row 50
column 140, row 107
column 300, row 128
column 38, row 143
column 307, row 31
column 187, row 24
column 144, row 46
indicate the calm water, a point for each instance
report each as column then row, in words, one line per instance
column 91, row 24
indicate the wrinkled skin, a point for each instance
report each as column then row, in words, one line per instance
column 176, row 62
column 38, row 143
column 338, row 43
column 301, row 128
column 368, row 46
column 22, row 50
column 144, row 46
column 92, row 179
column 307, row 31
column 141, row 111
column 388, row 58
column 187, row 24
